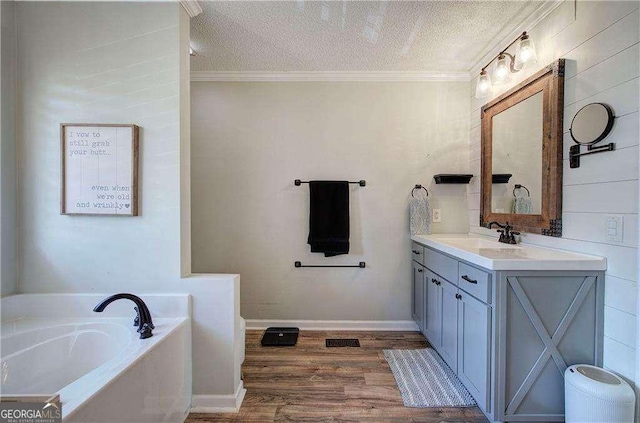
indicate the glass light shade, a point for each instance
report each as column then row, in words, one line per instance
column 525, row 53
column 483, row 85
column 501, row 72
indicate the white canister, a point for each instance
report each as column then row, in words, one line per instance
column 592, row 394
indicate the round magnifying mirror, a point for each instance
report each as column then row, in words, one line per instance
column 591, row 124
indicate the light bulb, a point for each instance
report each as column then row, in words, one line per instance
column 525, row 52
column 502, row 73
column 483, row 85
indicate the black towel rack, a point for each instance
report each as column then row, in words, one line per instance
column 361, row 182
column 361, row 265
column 418, row 186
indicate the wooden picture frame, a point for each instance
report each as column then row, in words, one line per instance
column 99, row 169
column 549, row 81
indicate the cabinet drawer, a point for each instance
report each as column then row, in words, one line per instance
column 442, row 265
column 475, row 282
column 417, row 252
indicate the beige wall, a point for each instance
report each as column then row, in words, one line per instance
column 600, row 43
column 251, row 140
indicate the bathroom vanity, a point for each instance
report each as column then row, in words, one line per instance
column 508, row 319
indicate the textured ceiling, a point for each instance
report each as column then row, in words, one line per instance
column 350, row 35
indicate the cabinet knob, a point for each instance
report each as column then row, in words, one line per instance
column 419, row 270
column 434, row 281
column 458, row 296
column 416, row 252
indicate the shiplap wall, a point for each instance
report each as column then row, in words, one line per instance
column 8, row 214
column 115, row 62
column 600, row 42
column 119, row 64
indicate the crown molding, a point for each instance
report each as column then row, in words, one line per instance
column 328, row 76
column 544, row 9
column 192, row 7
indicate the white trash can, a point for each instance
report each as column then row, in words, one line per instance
column 592, row 394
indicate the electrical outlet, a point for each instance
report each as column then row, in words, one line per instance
column 614, row 228
column 436, row 216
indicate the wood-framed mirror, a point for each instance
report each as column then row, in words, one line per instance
column 522, row 138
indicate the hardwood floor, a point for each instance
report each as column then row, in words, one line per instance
column 312, row 383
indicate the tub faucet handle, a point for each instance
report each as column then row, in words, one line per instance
column 145, row 331
column 136, row 321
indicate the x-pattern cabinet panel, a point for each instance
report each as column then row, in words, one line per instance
column 548, row 322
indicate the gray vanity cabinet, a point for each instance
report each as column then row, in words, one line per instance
column 433, row 324
column 509, row 335
column 418, row 308
column 450, row 327
column 458, row 327
column 474, row 353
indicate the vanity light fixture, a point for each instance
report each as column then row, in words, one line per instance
column 501, row 72
column 506, row 65
column 484, row 84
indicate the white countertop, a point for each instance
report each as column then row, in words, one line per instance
column 493, row 255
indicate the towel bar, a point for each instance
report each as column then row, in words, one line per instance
column 361, row 265
column 361, row 182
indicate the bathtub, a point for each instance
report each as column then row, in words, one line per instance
column 96, row 362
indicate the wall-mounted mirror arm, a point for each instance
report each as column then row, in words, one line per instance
column 575, row 154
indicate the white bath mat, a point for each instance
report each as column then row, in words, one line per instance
column 425, row 380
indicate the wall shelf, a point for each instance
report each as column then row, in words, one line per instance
column 452, row 178
column 500, row 178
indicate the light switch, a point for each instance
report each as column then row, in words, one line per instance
column 614, row 228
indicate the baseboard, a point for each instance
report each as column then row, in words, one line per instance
column 218, row 403
column 370, row 325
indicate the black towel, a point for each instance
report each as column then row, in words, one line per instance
column 329, row 217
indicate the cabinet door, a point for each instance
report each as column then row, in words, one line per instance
column 449, row 350
column 474, row 340
column 418, row 295
column 433, row 314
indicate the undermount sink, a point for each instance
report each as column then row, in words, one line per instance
column 477, row 244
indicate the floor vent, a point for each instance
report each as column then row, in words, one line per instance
column 342, row 343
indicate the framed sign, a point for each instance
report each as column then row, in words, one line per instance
column 99, row 169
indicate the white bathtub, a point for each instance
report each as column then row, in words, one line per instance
column 99, row 366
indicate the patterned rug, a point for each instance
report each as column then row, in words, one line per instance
column 425, row 380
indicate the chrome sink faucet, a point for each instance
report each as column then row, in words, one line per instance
column 143, row 316
column 506, row 234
